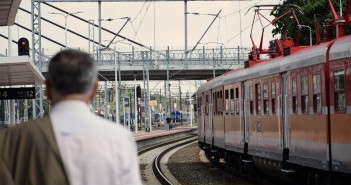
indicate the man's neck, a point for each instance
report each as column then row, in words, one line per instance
column 81, row 98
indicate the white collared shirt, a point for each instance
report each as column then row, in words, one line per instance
column 94, row 151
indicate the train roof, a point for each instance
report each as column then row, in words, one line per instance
column 305, row 57
column 341, row 48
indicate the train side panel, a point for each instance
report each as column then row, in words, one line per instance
column 218, row 118
column 264, row 128
column 340, row 104
column 308, row 119
column 201, row 118
column 208, row 118
column 234, row 136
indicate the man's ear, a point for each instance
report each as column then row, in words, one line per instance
column 94, row 90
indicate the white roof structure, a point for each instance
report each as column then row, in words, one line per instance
column 8, row 10
column 19, row 70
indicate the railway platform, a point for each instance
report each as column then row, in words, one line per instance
column 146, row 139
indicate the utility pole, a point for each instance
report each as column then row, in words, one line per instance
column 180, row 104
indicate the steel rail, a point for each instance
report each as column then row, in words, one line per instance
column 142, row 151
column 157, row 161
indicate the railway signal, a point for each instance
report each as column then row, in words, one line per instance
column 23, row 47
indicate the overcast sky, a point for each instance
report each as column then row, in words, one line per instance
column 169, row 26
column 169, row 23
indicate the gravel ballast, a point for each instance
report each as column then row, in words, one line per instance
column 187, row 167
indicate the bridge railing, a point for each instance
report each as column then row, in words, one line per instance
column 197, row 57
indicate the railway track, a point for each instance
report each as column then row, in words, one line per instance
column 151, row 163
column 156, row 164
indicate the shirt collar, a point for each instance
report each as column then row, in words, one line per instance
column 70, row 105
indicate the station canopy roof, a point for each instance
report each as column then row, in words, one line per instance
column 8, row 10
column 19, row 70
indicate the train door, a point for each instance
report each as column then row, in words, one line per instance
column 202, row 121
column 284, row 108
column 245, row 106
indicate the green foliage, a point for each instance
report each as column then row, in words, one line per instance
column 310, row 9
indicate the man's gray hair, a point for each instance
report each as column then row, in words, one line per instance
column 72, row 72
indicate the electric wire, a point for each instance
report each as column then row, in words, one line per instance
column 142, row 20
column 243, row 30
column 247, row 7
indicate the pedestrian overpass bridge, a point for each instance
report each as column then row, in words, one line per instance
column 201, row 63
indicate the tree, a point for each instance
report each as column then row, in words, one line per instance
column 311, row 9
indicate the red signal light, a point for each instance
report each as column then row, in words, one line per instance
column 23, row 43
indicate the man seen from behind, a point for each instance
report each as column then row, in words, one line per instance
column 71, row 145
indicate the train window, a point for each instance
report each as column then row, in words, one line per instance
column 273, row 97
column 206, row 108
column 265, row 99
column 237, row 101
column 232, row 101
column 221, row 102
column 265, row 91
column 227, row 102
column 294, row 98
column 339, row 90
column 258, row 99
column 273, row 89
column 304, row 94
column 251, row 100
column 317, row 106
column 215, row 97
column 199, row 106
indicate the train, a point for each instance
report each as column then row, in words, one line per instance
column 289, row 115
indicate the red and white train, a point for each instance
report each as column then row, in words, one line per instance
column 290, row 113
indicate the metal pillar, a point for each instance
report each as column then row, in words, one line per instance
column 241, row 43
column 238, row 55
column 167, row 86
column 130, row 110
column 119, row 86
column 214, row 63
column 116, row 89
column 7, row 111
column 180, row 104
column 145, row 94
column 25, row 110
column 124, row 106
column 186, row 32
column 12, row 111
column 91, row 34
column 190, row 106
column 99, row 12
column 165, row 101
column 105, row 100
column 37, row 103
column 148, row 98
column 135, row 107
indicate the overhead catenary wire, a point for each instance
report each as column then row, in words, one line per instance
column 247, row 7
column 142, row 20
column 47, row 38
column 57, row 25
column 243, row 30
column 95, row 25
column 206, row 30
